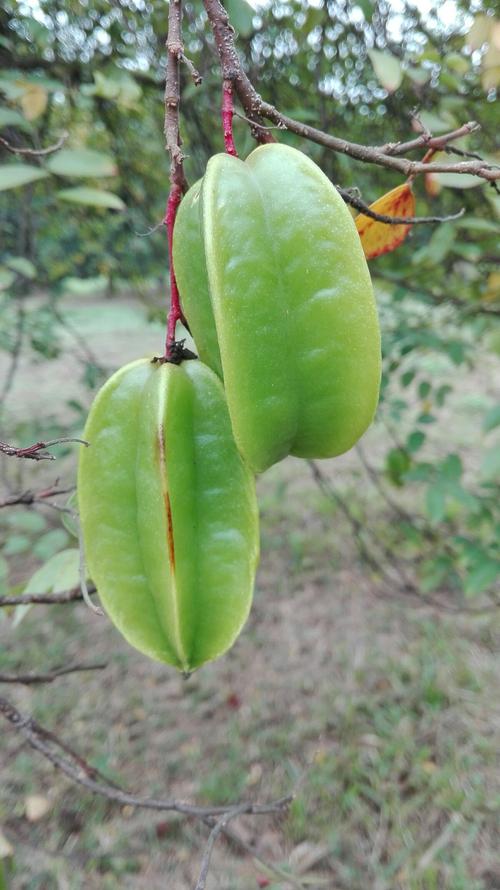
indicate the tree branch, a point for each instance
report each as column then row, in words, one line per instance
column 82, row 773
column 35, row 452
column 363, row 208
column 256, row 109
column 32, row 678
column 34, row 152
column 46, row 599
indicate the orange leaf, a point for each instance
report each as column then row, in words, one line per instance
column 378, row 237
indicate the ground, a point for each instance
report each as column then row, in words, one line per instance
column 378, row 711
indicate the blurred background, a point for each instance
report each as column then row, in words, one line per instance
column 365, row 679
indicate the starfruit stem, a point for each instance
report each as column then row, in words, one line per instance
column 175, row 311
column 227, row 118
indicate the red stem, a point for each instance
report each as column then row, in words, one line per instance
column 175, row 311
column 227, row 118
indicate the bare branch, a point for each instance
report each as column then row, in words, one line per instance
column 47, row 599
column 175, row 52
column 32, row 678
column 195, row 74
column 35, row 452
column 28, row 498
column 363, row 208
column 34, row 152
column 256, row 109
column 216, row 831
column 79, row 771
column 427, row 140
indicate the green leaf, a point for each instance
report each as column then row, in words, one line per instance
column 415, row 441
column 22, row 266
column 451, row 468
column 14, row 175
column 11, row 118
column 490, row 464
column 387, row 69
column 92, row 198
column 81, row 162
column 435, row 503
column 50, row 543
column 481, row 577
column 397, row 464
column 241, row 16
column 16, row 544
column 491, row 419
column 60, row 572
column 6, row 278
column 28, row 521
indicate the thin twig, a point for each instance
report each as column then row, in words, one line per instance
column 195, row 74
column 217, row 830
column 77, row 769
column 365, row 210
column 28, row 498
column 35, row 452
column 58, row 598
column 34, row 152
column 32, row 678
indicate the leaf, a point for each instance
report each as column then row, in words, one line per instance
column 491, row 419
column 397, row 464
column 492, row 292
column 11, row 118
column 490, row 464
column 81, row 162
column 377, row 237
column 60, row 572
column 92, row 198
column 83, row 287
column 387, row 69
column 50, row 543
column 6, row 278
column 241, row 16
column 435, row 503
column 14, row 175
column 481, row 577
column 33, row 101
column 22, row 266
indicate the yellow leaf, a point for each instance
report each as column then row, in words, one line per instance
column 33, row 100
column 378, row 237
column 492, row 292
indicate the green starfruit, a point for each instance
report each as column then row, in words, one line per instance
column 168, row 512
column 278, row 296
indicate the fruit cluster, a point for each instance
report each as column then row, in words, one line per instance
column 276, row 290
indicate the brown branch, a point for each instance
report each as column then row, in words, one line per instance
column 46, row 599
column 427, row 140
column 34, row 152
column 218, row 829
column 256, row 109
column 35, row 452
column 238, row 841
column 363, row 208
column 195, row 74
column 27, row 498
column 32, row 678
column 175, row 52
column 79, row 771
